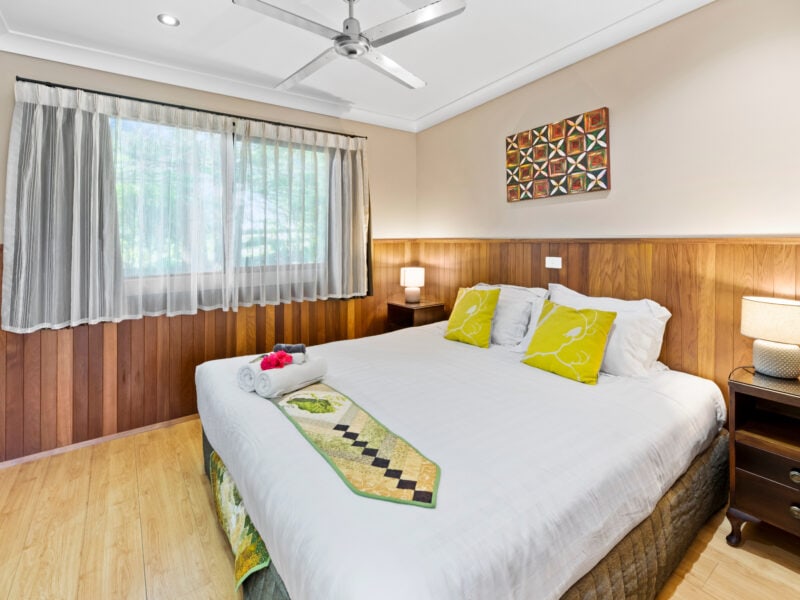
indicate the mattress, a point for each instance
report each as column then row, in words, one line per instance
column 541, row 476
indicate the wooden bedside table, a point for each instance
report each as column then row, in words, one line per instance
column 401, row 314
column 765, row 452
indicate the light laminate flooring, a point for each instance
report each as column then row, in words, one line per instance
column 133, row 518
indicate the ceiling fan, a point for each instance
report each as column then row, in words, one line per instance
column 352, row 43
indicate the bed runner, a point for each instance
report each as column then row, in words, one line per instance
column 249, row 552
column 371, row 460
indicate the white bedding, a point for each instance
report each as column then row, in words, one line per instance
column 540, row 476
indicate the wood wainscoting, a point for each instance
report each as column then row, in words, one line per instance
column 67, row 386
column 701, row 281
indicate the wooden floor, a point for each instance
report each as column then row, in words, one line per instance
column 132, row 518
column 766, row 566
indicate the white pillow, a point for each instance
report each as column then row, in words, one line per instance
column 514, row 292
column 536, row 312
column 510, row 322
column 634, row 342
column 516, row 315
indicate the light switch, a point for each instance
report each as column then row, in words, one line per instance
column 552, row 262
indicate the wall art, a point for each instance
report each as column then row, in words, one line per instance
column 571, row 156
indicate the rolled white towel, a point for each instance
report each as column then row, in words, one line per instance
column 276, row 382
column 247, row 373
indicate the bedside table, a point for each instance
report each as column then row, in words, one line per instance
column 400, row 314
column 764, row 427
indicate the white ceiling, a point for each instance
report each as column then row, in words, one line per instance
column 494, row 46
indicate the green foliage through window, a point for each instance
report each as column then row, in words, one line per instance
column 181, row 191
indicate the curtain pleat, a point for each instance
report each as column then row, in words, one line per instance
column 117, row 208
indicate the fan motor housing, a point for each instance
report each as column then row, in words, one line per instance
column 351, row 47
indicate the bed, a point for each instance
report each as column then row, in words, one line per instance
column 549, row 488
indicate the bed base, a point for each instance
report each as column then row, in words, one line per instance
column 640, row 564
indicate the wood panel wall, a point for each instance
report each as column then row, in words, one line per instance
column 66, row 386
column 701, row 281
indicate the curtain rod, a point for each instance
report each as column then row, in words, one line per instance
column 171, row 105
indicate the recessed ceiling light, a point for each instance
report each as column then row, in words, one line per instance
column 168, row 20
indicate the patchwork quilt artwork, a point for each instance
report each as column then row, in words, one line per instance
column 570, row 156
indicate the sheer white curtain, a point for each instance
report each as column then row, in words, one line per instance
column 301, row 215
column 171, row 197
column 118, row 208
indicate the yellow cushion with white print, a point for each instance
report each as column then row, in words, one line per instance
column 570, row 342
column 471, row 319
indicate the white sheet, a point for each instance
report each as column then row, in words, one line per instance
column 541, row 476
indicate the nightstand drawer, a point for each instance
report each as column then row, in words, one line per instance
column 768, row 465
column 772, row 502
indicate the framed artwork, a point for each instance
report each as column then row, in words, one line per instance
column 571, row 156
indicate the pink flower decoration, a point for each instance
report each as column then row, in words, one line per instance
column 276, row 360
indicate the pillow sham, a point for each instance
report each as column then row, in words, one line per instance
column 570, row 342
column 516, row 315
column 471, row 319
column 636, row 335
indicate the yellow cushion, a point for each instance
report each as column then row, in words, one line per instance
column 471, row 319
column 570, row 342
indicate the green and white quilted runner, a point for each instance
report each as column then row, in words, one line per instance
column 370, row 459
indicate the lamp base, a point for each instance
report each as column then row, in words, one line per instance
column 776, row 359
column 412, row 295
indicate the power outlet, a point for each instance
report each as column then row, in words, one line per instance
column 552, row 262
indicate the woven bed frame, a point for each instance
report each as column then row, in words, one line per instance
column 640, row 564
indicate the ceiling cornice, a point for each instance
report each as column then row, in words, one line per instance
column 133, row 67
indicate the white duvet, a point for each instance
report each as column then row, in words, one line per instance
column 540, row 476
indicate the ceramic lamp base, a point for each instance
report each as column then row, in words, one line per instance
column 412, row 295
column 776, row 359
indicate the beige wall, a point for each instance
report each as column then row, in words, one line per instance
column 705, row 128
column 705, row 123
column 391, row 153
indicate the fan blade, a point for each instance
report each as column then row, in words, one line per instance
column 289, row 17
column 312, row 67
column 414, row 21
column 384, row 64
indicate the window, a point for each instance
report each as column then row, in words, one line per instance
column 170, row 187
column 122, row 208
column 283, row 207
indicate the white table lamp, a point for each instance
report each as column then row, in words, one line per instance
column 775, row 325
column 412, row 278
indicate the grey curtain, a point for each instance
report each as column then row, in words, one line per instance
column 61, row 259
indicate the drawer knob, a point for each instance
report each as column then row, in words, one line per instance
column 794, row 475
column 794, row 510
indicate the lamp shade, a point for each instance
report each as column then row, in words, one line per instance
column 412, row 277
column 772, row 319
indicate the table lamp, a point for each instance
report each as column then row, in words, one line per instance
column 412, row 278
column 774, row 323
